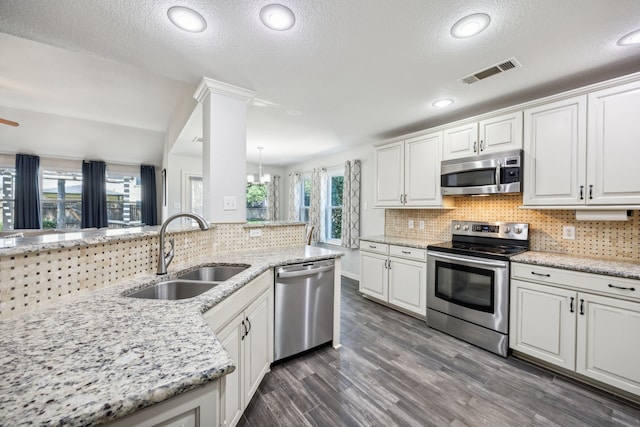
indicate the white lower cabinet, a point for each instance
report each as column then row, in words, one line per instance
column 197, row 408
column 394, row 274
column 594, row 335
column 608, row 347
column 244, row 325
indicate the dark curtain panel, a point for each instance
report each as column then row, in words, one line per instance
column 27, row 209
column 149, row 203
column 94, row 195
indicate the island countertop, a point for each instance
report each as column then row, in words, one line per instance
column 101, row 356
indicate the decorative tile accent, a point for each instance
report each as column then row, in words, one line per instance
column 36, row 279
column 602, row 239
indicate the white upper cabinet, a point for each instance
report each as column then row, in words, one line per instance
column 408, row 172
column 555, row 153
column 486, row 136
column 390, row 174
column 613, row 146
column 583, row 151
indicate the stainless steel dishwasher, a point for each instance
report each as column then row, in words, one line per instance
column 303, row 307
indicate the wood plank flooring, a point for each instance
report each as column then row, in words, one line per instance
column 392, row 370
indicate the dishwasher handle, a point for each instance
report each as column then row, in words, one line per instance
column 298, row 273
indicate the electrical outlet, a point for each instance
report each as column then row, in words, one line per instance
column 410, row 223
column 255, row 232
column 569, row 232
column 421, row 225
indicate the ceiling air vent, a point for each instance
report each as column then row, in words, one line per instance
column 491, row 71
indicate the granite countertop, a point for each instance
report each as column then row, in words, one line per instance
column 609, row 267
column 100, row 356
column 401, row 241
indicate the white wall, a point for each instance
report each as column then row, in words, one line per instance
column 371, row 220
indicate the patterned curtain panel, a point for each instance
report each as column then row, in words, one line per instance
column 273, row 205
column 294, row 196
column 351, row 205
column 317, row 217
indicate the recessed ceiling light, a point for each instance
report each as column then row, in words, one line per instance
column 187, row 19
column 631, row 38
column 441, row 103
column 470, row 25
column 277, row 17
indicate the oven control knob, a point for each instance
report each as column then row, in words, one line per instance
column 465, row 228
column 518, row 230
column 507, row 230
column 457, row 227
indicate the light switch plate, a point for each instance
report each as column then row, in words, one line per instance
column 410, row 223
column 421, row 225
column 230, row 203
column 255, row 232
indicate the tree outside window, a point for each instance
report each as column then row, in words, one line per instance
column 334, row 208
column 257, row 202
column 305, row 203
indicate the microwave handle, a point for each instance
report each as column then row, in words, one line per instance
column 498, row 167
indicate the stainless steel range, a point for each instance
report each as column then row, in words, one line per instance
column 468, row 282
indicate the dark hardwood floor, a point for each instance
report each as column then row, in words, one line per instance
column 392, row 370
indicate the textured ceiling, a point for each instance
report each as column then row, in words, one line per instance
column 349, row 72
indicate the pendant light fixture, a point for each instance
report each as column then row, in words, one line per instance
column 262, row 179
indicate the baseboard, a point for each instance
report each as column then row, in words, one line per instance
column 351, row 276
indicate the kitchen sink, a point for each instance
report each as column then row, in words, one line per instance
column 174, row 289
column 213, row 273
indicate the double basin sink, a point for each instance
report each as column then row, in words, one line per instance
column 190, row 284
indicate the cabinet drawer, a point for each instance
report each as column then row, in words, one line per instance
column 379, row 248
column 408, row 253
column 606, row 285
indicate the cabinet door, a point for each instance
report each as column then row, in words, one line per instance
column 389, row 174
column 543, row 322
column 258, row 343
column 613, row 175
column 231, row 338
column 501, row 133
column 373, row 275
column 422, row 170
column 555, row 153
column 461, row 141
column 608, row 344
column 408, row 285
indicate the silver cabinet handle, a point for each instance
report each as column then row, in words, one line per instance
column 482, row 145
column 590, row 191
column 571, row 306
column 475, row 145
column 582, row 192
column 373, row 247
column 385, row 264
column 406, row 252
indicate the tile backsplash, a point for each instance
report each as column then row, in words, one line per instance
column 39, row 278
column 607, row 239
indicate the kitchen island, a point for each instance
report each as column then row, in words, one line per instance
column 101, row 356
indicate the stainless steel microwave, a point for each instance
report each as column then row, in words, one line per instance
column 495, row 173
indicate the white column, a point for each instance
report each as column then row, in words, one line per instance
column 224, row 150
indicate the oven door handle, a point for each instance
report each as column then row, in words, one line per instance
column 474, row 261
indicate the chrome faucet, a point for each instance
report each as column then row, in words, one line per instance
column 165, row 259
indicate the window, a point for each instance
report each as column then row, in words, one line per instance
column 305, row 194
column 61, row 199
column 334, row 207
column 7, row 197
column 257, row 200
column 124, row 200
